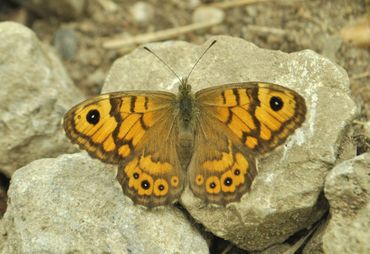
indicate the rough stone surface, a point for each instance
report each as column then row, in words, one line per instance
column 35, row 93
column 285, row 196
column 67, row 9
column 347, row 188
column 74, row 204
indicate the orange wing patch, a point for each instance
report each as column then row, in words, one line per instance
column 149, row 182
column 260, row 115
column 91, row 126
column 227, row 173
column 279, row 112
column 234, row 108
column 110, row 126
column 224, row 178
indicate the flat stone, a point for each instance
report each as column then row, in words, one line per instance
column 347, row 188
column 35, row 93
column 286, row 195
column 74, row 204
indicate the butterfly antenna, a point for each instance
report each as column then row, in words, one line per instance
column 205, row 51
column 160, row 59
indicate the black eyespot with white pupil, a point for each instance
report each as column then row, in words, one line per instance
column 228, row 181
column 276, row 103
column 93, row 116
column 212, row 185
column 145, row 185
column 161, row 187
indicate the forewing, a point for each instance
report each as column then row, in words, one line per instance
column 110, row 126
column 260, row 115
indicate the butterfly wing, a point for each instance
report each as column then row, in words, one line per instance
column 235, row 123
column 221, row 169
column 154, row 175
column 123, row 128
column 260, row 115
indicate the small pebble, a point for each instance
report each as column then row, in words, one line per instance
column 142, row 13
column 208, row 14
column 66, row 43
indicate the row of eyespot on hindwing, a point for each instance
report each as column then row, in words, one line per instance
column 144, row 184
column 229, row 180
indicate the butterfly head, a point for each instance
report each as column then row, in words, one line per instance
column 184, row 87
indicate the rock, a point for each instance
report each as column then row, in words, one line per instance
column 208, row 14
column 67, row 9
column 108, row 5
column 35, row 93
column 347, row 188
column 66, row 43
column 75, row 204
column 285, row 196
column 192, row 4
column 142, row 13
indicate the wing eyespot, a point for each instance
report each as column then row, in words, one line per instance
column 228, row 181
column 213, row 185
column 93, row 116
column 145, row 184
column 199, row 179
column 160, row 187
column 174, row 181
column 276, row 103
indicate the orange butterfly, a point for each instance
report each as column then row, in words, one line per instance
column 208, row 139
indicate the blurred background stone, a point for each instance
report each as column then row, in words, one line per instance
column 66, row 9
column 66, row 43
column 142, row 13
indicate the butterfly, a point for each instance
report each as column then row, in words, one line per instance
column 208, row 140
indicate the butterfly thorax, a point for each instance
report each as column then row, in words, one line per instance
column 186, row 105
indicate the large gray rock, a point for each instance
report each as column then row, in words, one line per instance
column 285, row 196
column 347, row 188
column 35, row 92
column 74, row 204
